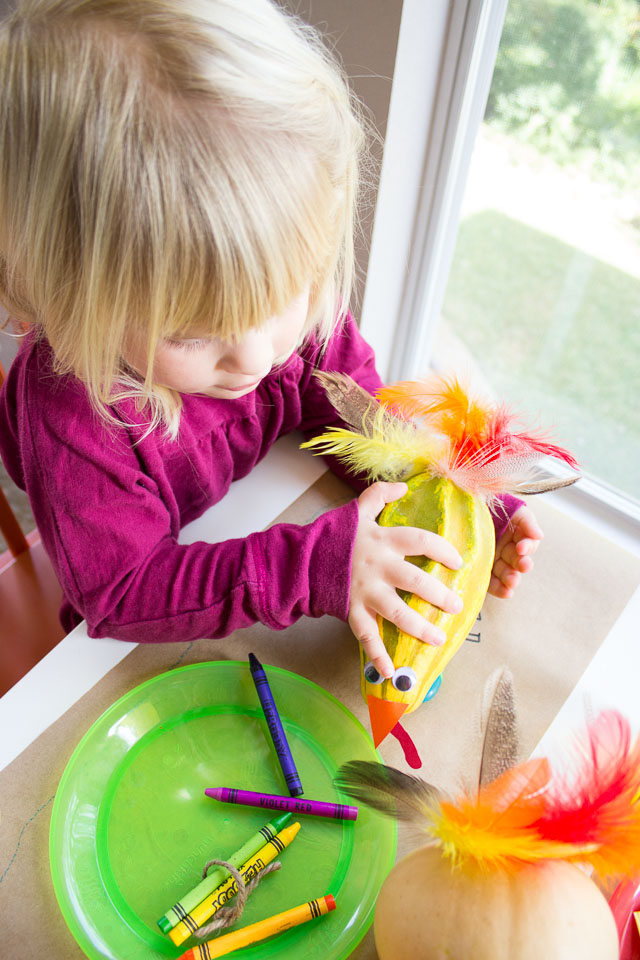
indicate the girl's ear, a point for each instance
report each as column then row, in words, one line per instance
column 501, row 742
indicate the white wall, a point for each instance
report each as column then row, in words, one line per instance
column 365, row 35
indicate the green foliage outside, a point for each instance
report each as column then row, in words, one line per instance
column 567, row 80
column 557, row 332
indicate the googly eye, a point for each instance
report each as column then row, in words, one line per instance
column 371, row 675
column 404, row 679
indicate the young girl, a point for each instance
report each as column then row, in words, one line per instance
column 178, row 181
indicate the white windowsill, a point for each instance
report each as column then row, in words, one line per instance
column 612, row 516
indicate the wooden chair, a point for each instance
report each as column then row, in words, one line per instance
column 30, row 597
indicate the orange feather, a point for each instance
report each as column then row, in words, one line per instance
column 446, row 404
column 478, row 431
column 528, row 813
column 497, row 827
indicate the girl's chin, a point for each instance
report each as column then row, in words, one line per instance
column 224, row 393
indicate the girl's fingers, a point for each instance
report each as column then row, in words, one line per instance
column 374, row 498
column 413, row 542
column 526, row 546
column 365, row 629
column 498, row 589
column 530, row 547
column 408, row 576
column 514, row 553
column 527, row 527
column 523, row 526
column 506, row 574
column 511, row 556
column 395, row 610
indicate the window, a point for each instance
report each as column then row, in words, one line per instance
column 525, row 260
column 544, row 287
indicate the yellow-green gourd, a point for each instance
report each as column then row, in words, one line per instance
column 436, row 504
column 456, row 455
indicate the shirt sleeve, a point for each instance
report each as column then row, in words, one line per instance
column 112, row 539
column 347, row 352
column 183, row 592
column 503, row 511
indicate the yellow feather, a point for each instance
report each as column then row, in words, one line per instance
column 391, row 449
column 462, row 835
column 500, row 826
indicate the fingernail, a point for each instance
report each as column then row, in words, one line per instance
column 457, row 605
column 437, row 639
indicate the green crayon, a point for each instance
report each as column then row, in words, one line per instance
column 213, row 879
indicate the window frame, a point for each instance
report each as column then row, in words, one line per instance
column 445, row 60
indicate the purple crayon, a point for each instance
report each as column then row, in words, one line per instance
column 276, row 730
column 269, row 801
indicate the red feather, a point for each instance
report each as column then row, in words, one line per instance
column 599, row 804
column 478, row 431
column 502, row 441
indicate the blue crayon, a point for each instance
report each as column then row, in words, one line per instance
column 275, row 727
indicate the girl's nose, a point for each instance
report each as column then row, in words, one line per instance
column 251, row 355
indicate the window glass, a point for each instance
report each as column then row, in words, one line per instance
column 543, row 298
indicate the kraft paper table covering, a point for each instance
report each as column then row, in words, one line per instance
column 547, row 634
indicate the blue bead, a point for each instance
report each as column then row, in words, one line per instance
column 433, row 689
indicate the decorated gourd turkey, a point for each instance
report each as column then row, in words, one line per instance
column 502, row 875
column 457, row 455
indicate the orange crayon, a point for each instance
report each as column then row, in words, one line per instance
column 261, row 930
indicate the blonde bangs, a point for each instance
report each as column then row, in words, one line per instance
column 249, row 245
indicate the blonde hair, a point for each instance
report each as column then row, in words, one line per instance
column 169, row 166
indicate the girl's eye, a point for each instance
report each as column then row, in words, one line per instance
column 371, row 675
column 195, row 344
column 404, row 679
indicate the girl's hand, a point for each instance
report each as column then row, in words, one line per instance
column 378, row 568
column 513, row 553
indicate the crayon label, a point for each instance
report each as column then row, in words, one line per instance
column 275, row 803
column 224, row 895
column 248, row 875
column 274, row 728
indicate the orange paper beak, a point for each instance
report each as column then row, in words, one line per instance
column 383, row 714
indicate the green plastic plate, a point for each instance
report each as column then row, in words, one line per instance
column 131, row 827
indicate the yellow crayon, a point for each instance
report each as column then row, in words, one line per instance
column 214, row 901
column 211, row 949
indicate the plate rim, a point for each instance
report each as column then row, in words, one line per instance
column 76, row 929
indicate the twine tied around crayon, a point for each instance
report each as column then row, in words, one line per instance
column 228, row 915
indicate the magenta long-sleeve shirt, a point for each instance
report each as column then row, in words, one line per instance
column 109, row 505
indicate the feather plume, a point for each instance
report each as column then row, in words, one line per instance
column 435, row 426
column 484, row 455
column 388, row 790
column 487, row 474
column 446, row 404
column 533, row 487
column 387, row 449
column 355, row 406
column 501, row 743
column 502, row 441
column 598, row 802
column 494, row 829
column 526, row 814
